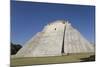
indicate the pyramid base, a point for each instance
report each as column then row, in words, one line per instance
column 49, row 60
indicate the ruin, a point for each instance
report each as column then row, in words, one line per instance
column 56, row 39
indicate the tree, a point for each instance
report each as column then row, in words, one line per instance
column 15, row 48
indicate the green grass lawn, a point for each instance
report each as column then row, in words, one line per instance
column 48, row 60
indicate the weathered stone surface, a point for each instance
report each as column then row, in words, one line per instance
column 74, row 42
column 56, row 38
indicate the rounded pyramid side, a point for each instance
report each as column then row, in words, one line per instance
column 75, row 42
column 47, row 43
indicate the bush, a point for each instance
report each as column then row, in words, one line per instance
column 15, row 48
column 91, row 58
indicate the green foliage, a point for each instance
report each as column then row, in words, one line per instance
column 15, row 48
column 90, row 58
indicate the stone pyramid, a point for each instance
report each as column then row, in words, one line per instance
column 55, row 39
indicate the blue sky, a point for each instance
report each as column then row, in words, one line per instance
column 28, row 18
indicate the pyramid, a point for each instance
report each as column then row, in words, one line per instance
column 56, row 38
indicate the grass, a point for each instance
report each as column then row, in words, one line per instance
column 48, row 60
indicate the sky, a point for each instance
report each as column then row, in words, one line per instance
column 28, row 18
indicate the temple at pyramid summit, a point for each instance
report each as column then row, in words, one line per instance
column 56, row 39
